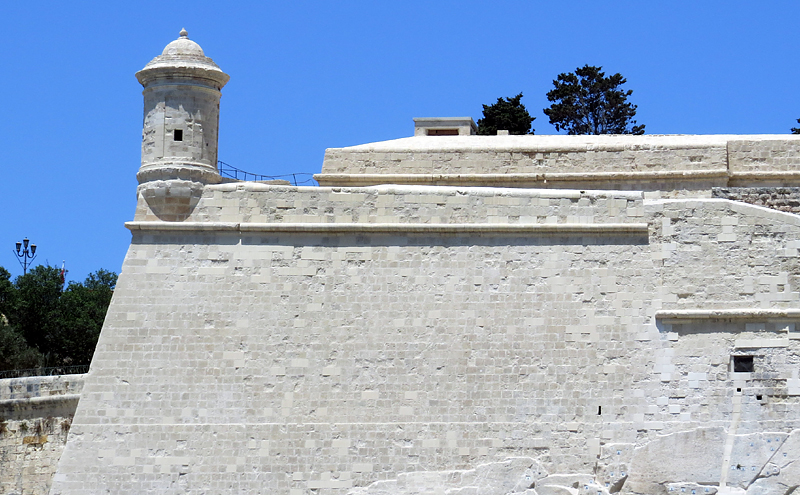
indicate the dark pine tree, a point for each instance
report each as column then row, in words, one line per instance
column 588, row 102
column 507, row 114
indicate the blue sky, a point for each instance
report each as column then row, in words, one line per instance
column 306, row 76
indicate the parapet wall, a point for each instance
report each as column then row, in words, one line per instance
column 253, row 203
column 669, row 164
column 35, row 418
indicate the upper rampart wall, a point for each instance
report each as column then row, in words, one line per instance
column 649, row 163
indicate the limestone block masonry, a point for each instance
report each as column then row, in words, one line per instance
column 417, row 327
column 779, row 198
column 661, row 165
column 35, row 417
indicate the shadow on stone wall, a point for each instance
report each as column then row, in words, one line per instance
column 778, row 198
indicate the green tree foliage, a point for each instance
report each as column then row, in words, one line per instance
column 588, row 102
column 15, row 353
column 796, row 130
column 43, row 324
column 82, row 311
column 36, row 308
column 6, row 294
column 507, row 114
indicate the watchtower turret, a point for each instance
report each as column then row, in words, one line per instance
column 181, row 120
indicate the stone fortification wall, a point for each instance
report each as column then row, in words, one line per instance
column 35, row 417
column 672, row 165
column 414, row 339
column 763, row 155
column 778, row 198
column 253, row 203
column 398, row 339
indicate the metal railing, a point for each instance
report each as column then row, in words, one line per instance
column 231, row 172
column 56, row 370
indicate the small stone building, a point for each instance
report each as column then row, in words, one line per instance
column 448, row 314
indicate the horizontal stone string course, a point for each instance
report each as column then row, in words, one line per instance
column 375, row 228
column 459, row 179
column 154, row 425
column 764, row 175
column 728, row 314
column 406, row 189
column 518, row 180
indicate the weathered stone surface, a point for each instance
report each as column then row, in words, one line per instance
column 513, row 476
column 35, row 417
column 691, row 488
column 689, row 456
column 778, row 198
column 782, row 473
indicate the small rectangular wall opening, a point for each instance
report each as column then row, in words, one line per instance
column 178, row 134
column 442, row 132
column 742, row 364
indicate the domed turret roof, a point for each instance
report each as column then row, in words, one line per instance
column 183, row 46
column 183, row 58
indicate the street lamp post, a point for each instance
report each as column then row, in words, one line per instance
column 24, row 254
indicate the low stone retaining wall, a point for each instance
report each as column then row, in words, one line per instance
column 35, row 418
